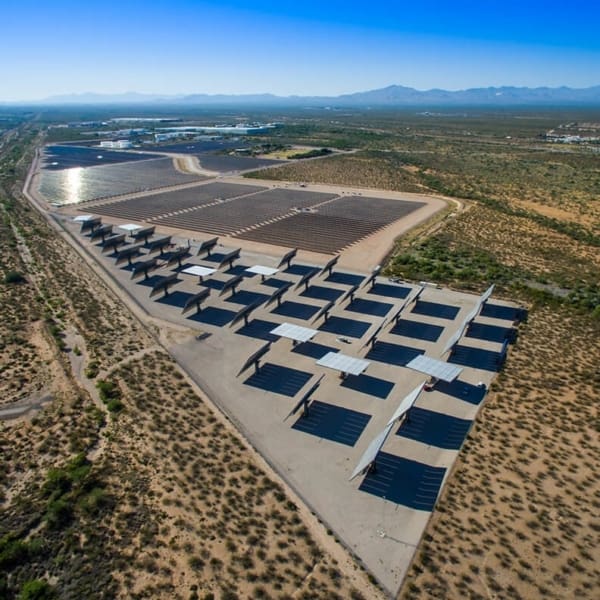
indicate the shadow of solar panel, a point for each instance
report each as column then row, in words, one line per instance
column 240, row 270
column 433, row 309
column 393, row 354
column 419, row 331
column 321, row 293
column 278, row 379
column 345, row 278
column 391, row 291
column 176, row 298
column 369, row 307
column 151, row 281
column 473, row 394
column 507, row 313
column 212, row 283
column 313, row 349
column 211, row 315
column 490, row 333
column 346, row 327
column 478, row 358
column 403, row 481
column 299, row 270
column 366, row 384
column 334, row 423
column 246, row 297
column 296, row 310
column 259, row 329
column 274, row 282
column 434, row 429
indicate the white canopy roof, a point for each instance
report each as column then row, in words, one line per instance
column 436, row 368
column 198, row 270
column 264, row 271
column 343, row 363
column 294, row 332
column 130, row 227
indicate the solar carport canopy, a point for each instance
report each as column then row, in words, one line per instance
column 294, row 332
column 343, row 363
column 435, row 368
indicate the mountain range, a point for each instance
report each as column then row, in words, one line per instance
column 391, row 96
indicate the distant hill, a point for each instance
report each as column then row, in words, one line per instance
column 393, row 95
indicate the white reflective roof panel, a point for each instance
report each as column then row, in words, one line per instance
column 343, row 363
column 436, row 368
column 130, row 227
column 260, row 270
column 198, row 270
column 82, row 218
column 371, row 452
column 294, row 332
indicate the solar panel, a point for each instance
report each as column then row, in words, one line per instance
column 450, row 343
column 207, row 246
column 128, row 253
column 101, row 231
column 244, row 313
column 343, row 363
column 158, row 244
column 306, row 278
column 230, row 257
column 287, row 258
column 412, row 297
column 406, row 404
column 82, row 218
column 324, row 311
column 196, row 300
column 486, row 295
column 254, row 358
column 130, row 227
column 435, row 368
column 278, row 293
column 113, row 242
column 177, row 255
column 329, row 266
column 294, row 332
column 371, row 452
column 373, row 338
column 163, row 284
column 349, row 294
column 143, row 234
column 90, row 224
column 372, row 276
column 143, row 267
column 231, row 285
column 304, row 400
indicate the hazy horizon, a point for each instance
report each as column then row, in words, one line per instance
column 285, row 48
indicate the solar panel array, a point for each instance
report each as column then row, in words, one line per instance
column 70, row 186
column 334, row 226
column 182, row 202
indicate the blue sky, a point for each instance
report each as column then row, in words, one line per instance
column 302, row 47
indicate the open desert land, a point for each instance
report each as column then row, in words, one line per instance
column 129, row 483
column 122, row 478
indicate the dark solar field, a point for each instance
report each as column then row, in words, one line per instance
column 226, row 164
column 198, row 146
column 150, row 207
column 337, row 224
column 71, row 186
column 57, row 158
column 238, row 214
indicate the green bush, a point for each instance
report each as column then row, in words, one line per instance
column 37, row 589
column 14, row 277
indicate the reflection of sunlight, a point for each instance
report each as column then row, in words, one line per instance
column 73, row 185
